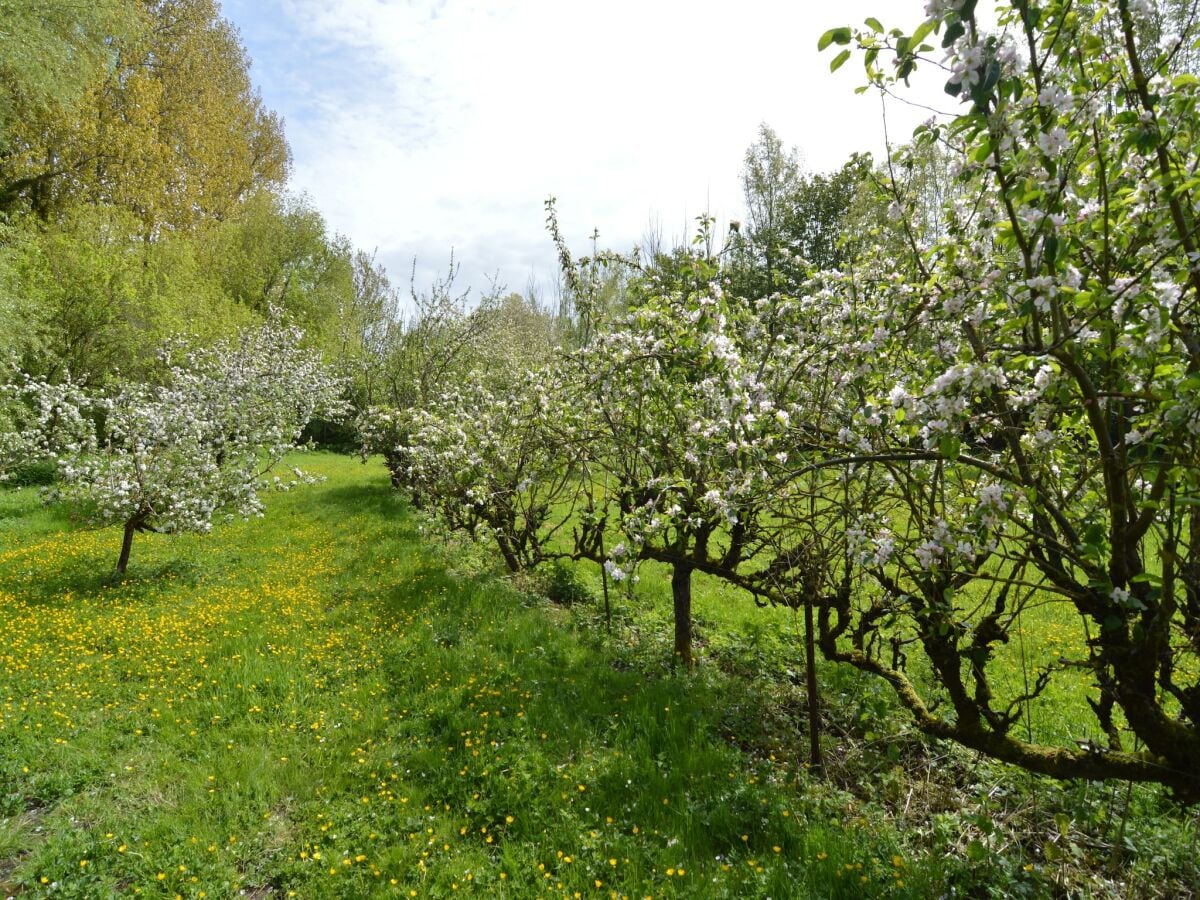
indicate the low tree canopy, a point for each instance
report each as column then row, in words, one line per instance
column 172, row 456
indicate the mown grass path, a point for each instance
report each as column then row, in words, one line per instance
column 311, row 705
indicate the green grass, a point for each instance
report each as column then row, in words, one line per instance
column 1048, row 631
column 314, row 691
column 328, row 703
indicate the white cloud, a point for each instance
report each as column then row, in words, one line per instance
column 418, row 126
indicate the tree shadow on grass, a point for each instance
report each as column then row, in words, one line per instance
column 376, row 500
column 32, row 518
column 67, row 582
column 15, row 512
column 648, row 738
column 147, row 577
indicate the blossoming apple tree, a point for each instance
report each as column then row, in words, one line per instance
column 1032, row 415
column 174, row 455
column 495, row 464
column 690, row 404
column 37, row 417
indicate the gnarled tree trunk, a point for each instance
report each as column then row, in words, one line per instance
column 681, row 593
column 126, row 545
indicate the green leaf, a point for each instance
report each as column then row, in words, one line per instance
column 922, row 32
column 834, row 36
column 839, row 60
column 874, row 25
column 993, row 76
column 984, row 151
column 953, row 33
column 1051, row 248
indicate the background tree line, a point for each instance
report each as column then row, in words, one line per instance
column 143, row 194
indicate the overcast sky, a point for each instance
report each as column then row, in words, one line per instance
column 421, row 126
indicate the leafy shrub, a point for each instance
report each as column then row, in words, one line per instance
column 332, row 435
column 33, row 474
column 565, row 587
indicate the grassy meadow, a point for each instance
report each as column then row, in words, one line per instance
column 330, row 703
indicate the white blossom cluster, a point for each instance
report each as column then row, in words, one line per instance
column 1044, row 363
column 171, row 456
column 38, row 418
column 496, row 464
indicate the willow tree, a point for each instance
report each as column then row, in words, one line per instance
column 52, row 57
column 159, row 116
